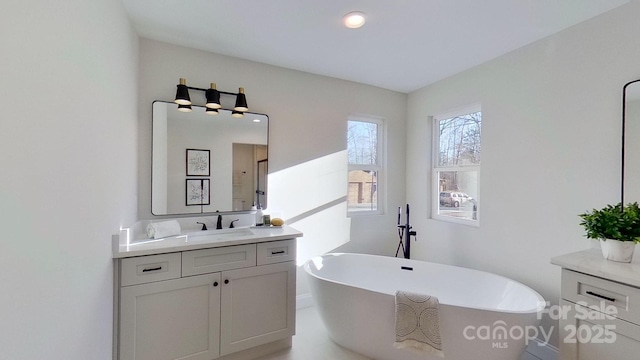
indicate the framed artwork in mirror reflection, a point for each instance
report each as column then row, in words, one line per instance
column 198, row 162
column 197, row 192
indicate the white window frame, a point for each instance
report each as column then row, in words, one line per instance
column 379, row 167
column 436, row 169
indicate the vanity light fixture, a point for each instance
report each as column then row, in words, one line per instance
column 213, row 98
column 211, row 111
column 182, row 94
column 237, row 114
column 354, row 20
column 184, row 108
column 241, row 101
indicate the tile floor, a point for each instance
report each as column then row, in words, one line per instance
column 311, row 342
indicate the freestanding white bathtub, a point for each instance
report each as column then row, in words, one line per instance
column 483, row 316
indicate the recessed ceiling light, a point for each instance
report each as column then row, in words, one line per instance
column 354, row 20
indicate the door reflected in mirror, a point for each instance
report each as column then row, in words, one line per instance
column 631, row 183
column 230, row 154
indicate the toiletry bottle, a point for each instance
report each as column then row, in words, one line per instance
column 259, row 214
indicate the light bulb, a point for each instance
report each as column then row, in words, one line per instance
column 354, row 20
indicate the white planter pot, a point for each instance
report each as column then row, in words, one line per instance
column 615, row 250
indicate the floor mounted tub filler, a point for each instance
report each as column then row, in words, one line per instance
column 482, row 315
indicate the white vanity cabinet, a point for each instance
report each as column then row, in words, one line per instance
column 207, row 303
column 257, row 306
column 601, row 308
column 172, row 319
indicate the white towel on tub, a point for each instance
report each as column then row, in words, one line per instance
column 417, row 323
column 162, row 229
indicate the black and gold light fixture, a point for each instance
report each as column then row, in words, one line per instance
column 212, row 95
column 241, row 101
column 182, row 94
column 184, row 108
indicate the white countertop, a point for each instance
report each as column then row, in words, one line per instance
column 122, row 248
column 592, row 262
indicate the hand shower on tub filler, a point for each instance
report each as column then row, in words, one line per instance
column 404, row 233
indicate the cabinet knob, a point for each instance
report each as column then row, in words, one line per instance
column 215, row 283
column 226, row 281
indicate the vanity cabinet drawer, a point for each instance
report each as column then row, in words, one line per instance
column 151, row 268
column 589, row 335
column 276, row 251
column 622, row 301
column 196, row 262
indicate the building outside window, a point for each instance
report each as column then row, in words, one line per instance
column 456, row 169
column 364, row 149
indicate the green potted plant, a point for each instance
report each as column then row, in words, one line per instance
column 617, row 227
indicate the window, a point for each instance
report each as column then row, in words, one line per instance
column 364, row 149
column 456, row 168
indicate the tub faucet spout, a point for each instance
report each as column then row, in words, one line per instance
column 219, row 223
column 405, row 233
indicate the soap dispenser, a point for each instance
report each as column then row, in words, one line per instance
column 259, row 221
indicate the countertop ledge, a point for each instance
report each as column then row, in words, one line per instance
column 591, row 262
column 122, row 249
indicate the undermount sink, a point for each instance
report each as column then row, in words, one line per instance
column 222, row 234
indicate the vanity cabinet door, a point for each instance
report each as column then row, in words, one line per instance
column 590, row 335
column 173, row 319
column 257, row 306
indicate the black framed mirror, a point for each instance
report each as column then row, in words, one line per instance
column 630, row 186
column 203, row 163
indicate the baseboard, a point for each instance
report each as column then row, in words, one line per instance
column 304, row 301
column 542, row 351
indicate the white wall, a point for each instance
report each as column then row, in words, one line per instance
column 307, row 125
column 551, row 149
column 68, row 173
